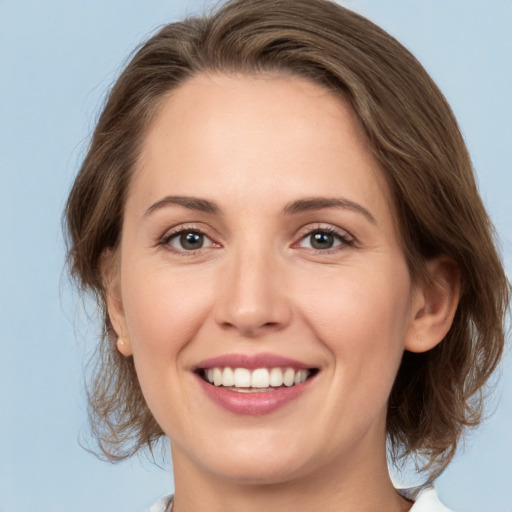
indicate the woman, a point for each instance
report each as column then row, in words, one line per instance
column 279, row 219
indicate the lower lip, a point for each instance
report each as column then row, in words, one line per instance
column 256, row 403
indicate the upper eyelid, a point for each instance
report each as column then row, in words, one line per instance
column 165, row 241
column 303, row 232
column 310, row 228
column 179, row 228
column 174, row 234
column 346, row 239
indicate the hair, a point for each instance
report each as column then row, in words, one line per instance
column 415, row 138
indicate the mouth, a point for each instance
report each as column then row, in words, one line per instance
column 255, row 380
column 254, row 384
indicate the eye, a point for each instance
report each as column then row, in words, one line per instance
column 187, row 240
column 323, row 239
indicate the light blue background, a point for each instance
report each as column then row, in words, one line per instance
column 57, row 59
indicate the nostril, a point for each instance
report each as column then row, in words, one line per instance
column 250, row 329
column 252, row 305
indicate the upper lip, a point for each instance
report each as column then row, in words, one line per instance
column 251, row 361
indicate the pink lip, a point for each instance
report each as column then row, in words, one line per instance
column 251, row 362
column 254, row 404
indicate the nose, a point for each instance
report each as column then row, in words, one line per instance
column 252, row 297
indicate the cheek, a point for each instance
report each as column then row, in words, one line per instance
column 163, row 310
column 163, row 313
column 362, row 319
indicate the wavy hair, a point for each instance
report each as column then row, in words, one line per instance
column 412, row 133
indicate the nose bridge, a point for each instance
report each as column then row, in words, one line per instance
column 252, row 299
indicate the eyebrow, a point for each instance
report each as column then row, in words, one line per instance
column 192, row 203
column 298, row 206
column 318, row 203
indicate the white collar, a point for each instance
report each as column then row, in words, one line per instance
column 426, row 500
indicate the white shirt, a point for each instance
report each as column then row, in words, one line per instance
column 426, row 501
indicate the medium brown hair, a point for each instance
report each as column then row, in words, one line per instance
column 413, row 135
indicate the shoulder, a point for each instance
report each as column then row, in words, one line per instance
column 427, row 501
column 162, row 505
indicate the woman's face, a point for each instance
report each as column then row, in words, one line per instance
column 259, row 245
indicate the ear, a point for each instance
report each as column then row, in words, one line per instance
column 434, row 305
column 111, row 282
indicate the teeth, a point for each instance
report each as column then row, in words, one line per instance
column 217, row 376
column 300, row 376
column 276, row 377
column 228, row 377
column 260, row 378
column 242, row 378
column 289, row 377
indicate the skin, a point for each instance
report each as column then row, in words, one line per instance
column 252, row 146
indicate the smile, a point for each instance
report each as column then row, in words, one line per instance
column 246, row 380
column 254, row 385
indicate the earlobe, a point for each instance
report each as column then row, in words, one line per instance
column 124, row 347
column 434, row 305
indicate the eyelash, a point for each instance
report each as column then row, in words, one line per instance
column 345, row 238
column 166, row 239
column 342, row 236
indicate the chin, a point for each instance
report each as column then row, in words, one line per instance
column 255, row 473
column 259, row 466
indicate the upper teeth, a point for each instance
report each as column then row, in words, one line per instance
column 258, row 378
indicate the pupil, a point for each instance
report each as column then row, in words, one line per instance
column 191, row 241
column 322, row 241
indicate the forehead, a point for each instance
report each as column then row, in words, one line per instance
column 220, row 135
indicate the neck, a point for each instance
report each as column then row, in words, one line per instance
column 335, row 487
